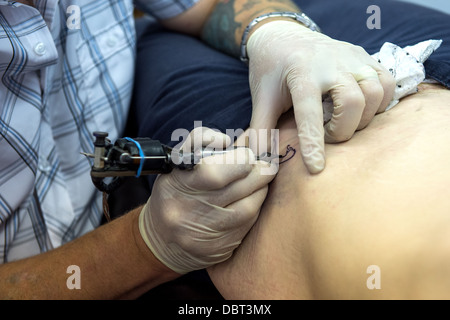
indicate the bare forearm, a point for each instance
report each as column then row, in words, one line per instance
column 113, row 262
column 221, row 23
column 229, row 18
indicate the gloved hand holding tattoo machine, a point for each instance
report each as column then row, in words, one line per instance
column 195, row 218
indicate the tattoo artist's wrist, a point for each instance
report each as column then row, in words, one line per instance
column 152, row 262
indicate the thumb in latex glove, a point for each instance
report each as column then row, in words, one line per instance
column 291, row 65
column 195, row 219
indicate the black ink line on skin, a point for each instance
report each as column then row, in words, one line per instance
column 289, row 151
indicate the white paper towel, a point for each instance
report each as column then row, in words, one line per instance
column 405, row 64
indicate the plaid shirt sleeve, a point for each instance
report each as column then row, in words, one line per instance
column 163, row 9
column 65, row 74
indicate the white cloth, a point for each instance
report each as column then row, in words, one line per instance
column 405, row 64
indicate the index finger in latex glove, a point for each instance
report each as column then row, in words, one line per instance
column 217, row 171
column 309, row 120
column 205, row 137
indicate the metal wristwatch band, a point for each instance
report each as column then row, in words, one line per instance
column 300, row 17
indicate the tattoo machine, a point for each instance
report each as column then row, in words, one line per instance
column 140, row 156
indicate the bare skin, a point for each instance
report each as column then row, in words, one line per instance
column 114, row 263
column 383, row 200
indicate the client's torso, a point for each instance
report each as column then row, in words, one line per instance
column 379, row 215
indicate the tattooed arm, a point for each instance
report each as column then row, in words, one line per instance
column 221, row 23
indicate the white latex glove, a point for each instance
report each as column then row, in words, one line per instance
column 291, row 65
column 195, row 219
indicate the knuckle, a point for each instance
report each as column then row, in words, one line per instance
column 343, row 137
column 333, row 134
column 213, row 179
column 354, row 99
column 388, row 82
column 365, row 120
column 375, row 90
column 171, row 217
column 185, row 242
column 248, row 209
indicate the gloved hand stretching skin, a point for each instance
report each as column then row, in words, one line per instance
column 291, row 65
column 195, row 219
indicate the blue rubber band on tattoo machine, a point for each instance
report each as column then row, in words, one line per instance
column 141, row 154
